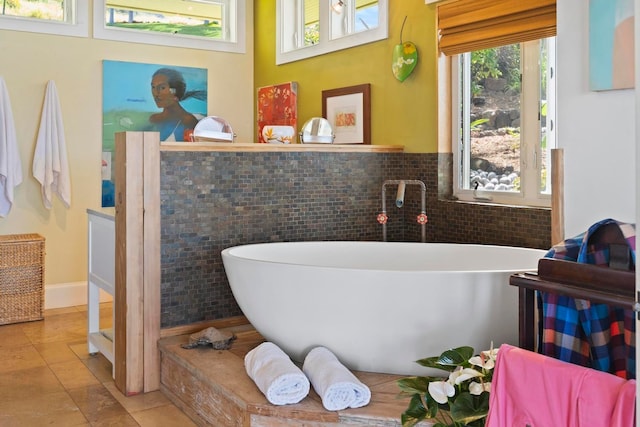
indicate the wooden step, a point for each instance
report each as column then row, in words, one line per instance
column 213, row 388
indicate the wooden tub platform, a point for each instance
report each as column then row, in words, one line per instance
column 213, row 389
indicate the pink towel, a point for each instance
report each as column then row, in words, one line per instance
column 539, row 391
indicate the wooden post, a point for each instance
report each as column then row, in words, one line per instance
column 557, row 196
column 137, row 294
column 151, row 261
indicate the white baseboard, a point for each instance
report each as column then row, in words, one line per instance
column 60, row 295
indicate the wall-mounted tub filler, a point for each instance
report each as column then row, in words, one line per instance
column 402, row 183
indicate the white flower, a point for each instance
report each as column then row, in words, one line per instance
column 461, row 375
column 477, row 388
column 483, row 361
column 486, row 359
column 491, row 354
column 441, row 390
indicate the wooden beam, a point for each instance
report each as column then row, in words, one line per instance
column 151, row 214
column 557, row 196
column 129, row 315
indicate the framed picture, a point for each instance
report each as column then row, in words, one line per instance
column 348, row 109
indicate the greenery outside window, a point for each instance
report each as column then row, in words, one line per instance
column 197, row 24
column 307, row 28
column 503, row 113
column 65, row 18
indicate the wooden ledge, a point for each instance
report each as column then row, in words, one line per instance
column 240, row 147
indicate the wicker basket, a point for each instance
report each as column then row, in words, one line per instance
column 21, row 278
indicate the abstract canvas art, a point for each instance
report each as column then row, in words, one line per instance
column 611, row 44
column 277, row 106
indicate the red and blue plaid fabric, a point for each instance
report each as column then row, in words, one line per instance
column 577, row 331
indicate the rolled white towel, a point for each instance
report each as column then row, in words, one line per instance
column 276, row 376
column 334, row 383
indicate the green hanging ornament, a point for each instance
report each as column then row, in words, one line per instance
column 405, row 57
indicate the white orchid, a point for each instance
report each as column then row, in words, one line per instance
column 441, row 391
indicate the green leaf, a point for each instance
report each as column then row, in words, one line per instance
column 456, row 356
column 476, row 123
column 429, row 362
column 468, row 408
column 408, row 421
column 414, row 385
column 434, row 362
column 432, row 406
column 449, row 360
column 415, row 413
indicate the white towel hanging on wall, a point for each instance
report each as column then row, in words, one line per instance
column 10, row 166
column 50, row 166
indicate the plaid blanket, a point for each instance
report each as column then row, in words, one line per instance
column 577, row 331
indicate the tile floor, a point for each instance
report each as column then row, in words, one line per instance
column 48, row 377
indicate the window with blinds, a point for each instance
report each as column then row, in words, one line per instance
column 467, row 25
column 502, row 97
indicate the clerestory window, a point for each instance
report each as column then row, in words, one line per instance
column 504, row 114
column 307, row 28
column 196, row 24
column 60, row 17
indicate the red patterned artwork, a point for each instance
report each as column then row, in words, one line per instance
column 277, row 105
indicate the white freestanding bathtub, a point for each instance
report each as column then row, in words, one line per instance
column 379, row 306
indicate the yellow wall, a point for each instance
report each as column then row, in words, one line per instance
column 30, row 60
column 401, row 113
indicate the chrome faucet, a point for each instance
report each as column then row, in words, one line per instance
column 402, row 183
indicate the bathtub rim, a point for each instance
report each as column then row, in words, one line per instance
column 228, row 252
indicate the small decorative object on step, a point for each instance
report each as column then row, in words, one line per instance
column 220, row 340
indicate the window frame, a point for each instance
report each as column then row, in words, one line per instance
column 530, row 194
column 326, row 44
column 76, row 24
column 237, row 44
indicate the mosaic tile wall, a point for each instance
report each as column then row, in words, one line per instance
column 459, row 222
column 213, row 200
